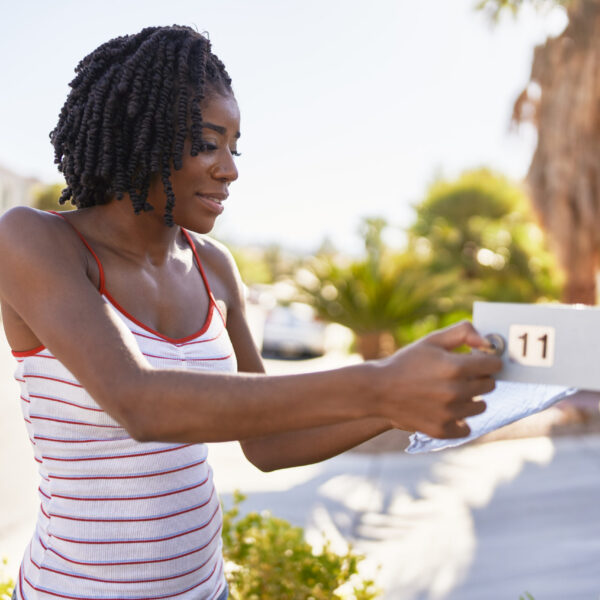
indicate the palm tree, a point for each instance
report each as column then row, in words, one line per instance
column 377, row 296
column 563, row 102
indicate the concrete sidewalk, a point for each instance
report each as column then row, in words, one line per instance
column 486, row 521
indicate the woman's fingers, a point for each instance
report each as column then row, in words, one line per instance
column 477, row 364
column 469, row 408
column 461, row 334
column 429, row 388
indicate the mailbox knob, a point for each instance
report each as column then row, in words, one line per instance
column 497, row 342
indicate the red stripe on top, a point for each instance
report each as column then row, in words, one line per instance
column 156, row 474
column 121, row 581
column 148, row 337
column 67, row 422
column 54, row 379
column 134, row 562
column 155, row 339
column 187, row 359
column 205, row 326
column 56, row 595
column 188, row 237
column 20, row 586
column 129, row 498
column 212, row 339
column 146, row 541
column 63, row 402
column 100, row 268
column 24, row 353
column 135, row 519
column 133, row 455
column 63, row 441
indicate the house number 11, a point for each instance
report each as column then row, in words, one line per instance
column 531, row 345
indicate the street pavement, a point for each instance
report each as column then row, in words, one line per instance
column 481, row 522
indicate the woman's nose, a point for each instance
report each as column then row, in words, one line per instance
column 226, row 169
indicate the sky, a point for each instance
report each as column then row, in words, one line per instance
column 350, row 108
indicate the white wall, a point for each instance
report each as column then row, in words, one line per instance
column 15, row 190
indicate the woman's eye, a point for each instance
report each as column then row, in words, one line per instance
column 207, row 147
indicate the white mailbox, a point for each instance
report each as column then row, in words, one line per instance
column 544, row 343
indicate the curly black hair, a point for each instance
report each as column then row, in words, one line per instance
column 133, row 102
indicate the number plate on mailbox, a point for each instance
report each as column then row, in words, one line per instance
column 545, row 343
column 531, row 345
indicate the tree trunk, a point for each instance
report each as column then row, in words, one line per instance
column 564, row 176
column 375, row 344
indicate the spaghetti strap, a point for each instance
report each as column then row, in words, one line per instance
column 190, row 241
column 100, row 268
column 102, row 286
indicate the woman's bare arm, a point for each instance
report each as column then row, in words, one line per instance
column 43, row 277
column 291, row 448
column 301, row 447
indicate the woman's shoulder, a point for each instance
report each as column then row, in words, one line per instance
column 37, row 237
column 40, row 260
column 213, row 253
column 22, row 222
column 218, row 259
column 22, row 216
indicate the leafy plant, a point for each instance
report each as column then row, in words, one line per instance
column 6, row 584
column 379, row 295
column 269, row 559
column 481, row 225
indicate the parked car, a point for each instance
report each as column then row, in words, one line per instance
column 293, row 331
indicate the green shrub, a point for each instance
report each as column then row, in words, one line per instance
column 268, row 559
column 6, row 584
column 481, row 226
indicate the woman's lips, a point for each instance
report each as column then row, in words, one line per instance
column 213, row 203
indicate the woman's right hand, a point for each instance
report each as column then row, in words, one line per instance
column 429, row 388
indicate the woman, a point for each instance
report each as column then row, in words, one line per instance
column 128, row 326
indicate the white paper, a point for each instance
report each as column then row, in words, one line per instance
column 508, row 402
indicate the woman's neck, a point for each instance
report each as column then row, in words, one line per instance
column 144, row 236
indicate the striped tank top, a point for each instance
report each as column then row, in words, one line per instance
column 120, row 519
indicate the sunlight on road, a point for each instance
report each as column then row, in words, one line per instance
column 425, row 542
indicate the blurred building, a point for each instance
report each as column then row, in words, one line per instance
column 15, row 190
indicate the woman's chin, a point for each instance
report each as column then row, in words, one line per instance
column 196, row 225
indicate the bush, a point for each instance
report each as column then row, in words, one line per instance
column 268, row 559
column 6, row 585
column 481, row 226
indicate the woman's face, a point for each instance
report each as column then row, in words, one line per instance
column 201, row 186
